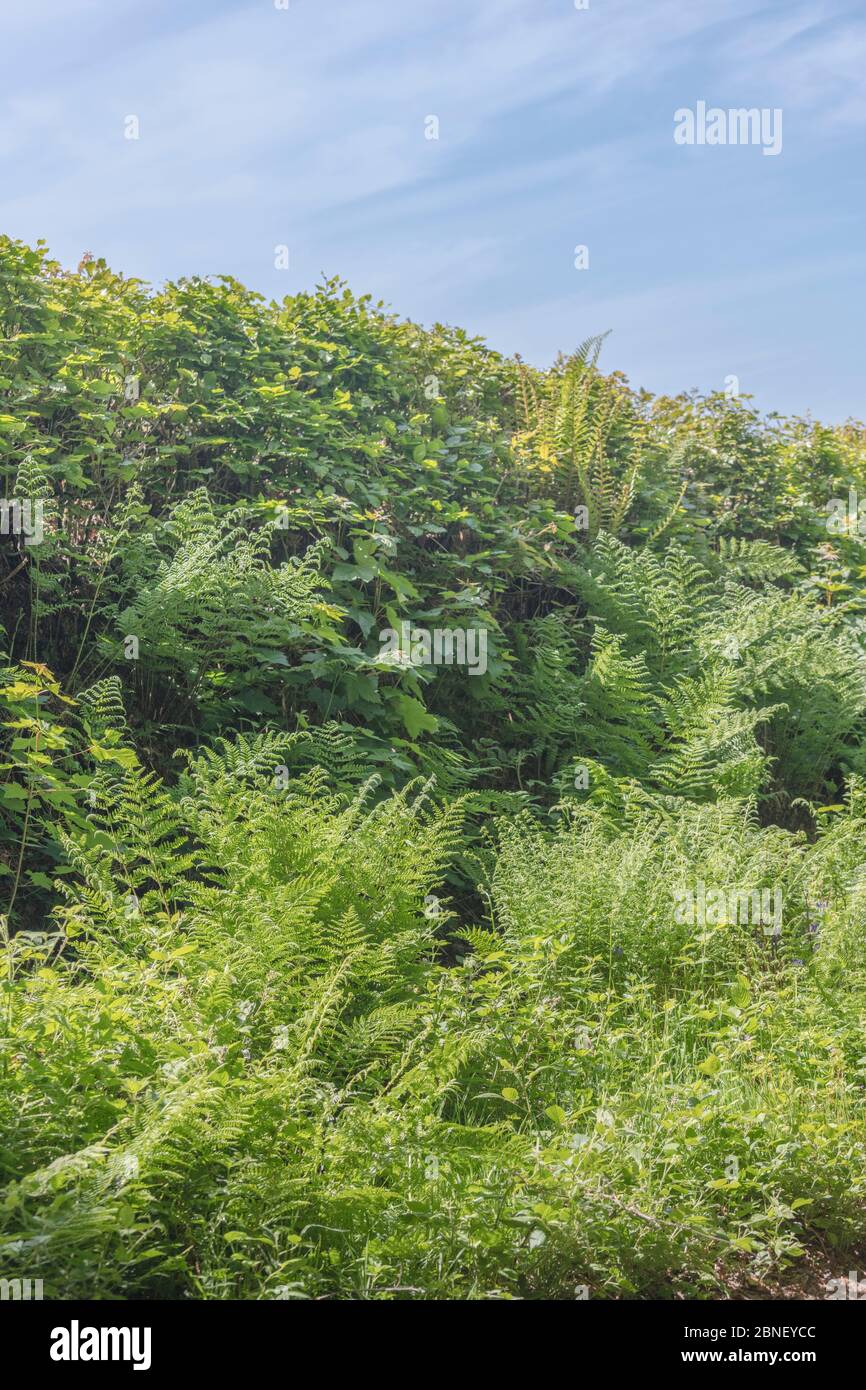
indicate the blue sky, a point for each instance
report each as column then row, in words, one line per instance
column 306, row 127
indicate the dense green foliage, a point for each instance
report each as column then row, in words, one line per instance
column 328, row 974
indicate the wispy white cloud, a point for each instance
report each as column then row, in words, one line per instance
column 810, row 57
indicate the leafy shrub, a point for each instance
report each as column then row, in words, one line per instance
column 395, row 981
